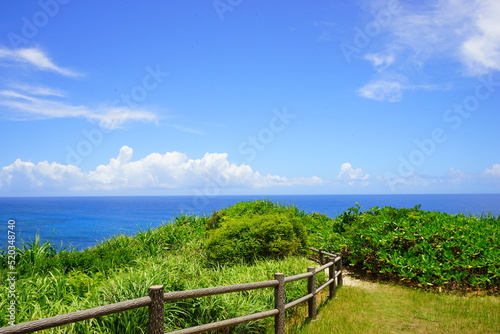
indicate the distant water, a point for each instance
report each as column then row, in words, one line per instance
column 84, row 221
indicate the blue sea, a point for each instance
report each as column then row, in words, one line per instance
column 84, row 221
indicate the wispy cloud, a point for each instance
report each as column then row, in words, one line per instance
column 380, row 61
column 36, row 58
column 455, row 179
column 186, row 129
column 462, row 32
column 44, row 108
column 34, row 101
column 37, row 89
column 382, row 90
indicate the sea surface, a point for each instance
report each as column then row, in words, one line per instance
column 84, row 221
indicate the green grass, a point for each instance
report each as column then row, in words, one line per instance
column 385, row 308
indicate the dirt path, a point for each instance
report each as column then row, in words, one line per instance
column 350, row 280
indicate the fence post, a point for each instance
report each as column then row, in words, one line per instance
column 331, row 274
column 279, row 303
column 156, row 310
column 321, row 257
column 311, row 288
column 341, row 280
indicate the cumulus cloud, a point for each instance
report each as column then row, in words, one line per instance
column 350, row 175
column 494, row 171
column 22, row 175
column 171, row 170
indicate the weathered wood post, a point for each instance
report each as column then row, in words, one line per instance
column 331, row 275
column 311, row 288
column 341, row 279
column 279, row 303
column 321, row 257
column 156, row 310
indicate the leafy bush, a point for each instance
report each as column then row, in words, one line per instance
column 422, row 247
column 260, row 229
column 266, row 236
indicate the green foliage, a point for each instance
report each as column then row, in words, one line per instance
column 248, row 231
column 266, row 236
column 422, row 248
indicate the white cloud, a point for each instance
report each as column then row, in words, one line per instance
column 380, row 61
column 494, row 171
column 23, row 175
column 455, row 173
column 46, row 107
column 464, row 32
column 382, row 90
column 171, row 170
column 36, row 58
column 37, row 90
column 27, row 101
column 454, row 180
column 413, row 183
column 349, row 175
column 481, row 50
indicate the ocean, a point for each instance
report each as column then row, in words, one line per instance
column 84, row 221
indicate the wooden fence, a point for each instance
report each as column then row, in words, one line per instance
column 156, row 299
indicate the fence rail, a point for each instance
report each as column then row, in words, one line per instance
column 156, row 299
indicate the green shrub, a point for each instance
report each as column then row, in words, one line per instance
column 264, row 236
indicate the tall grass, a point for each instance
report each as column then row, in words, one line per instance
column 122, row 268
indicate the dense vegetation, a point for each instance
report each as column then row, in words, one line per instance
column 248, row 242
column 52, row 281
column 422, row 248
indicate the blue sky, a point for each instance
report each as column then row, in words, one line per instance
column 249, row 97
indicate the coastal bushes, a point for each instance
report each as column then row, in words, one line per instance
column 428, row 249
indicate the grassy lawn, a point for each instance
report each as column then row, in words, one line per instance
column 383, row 308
